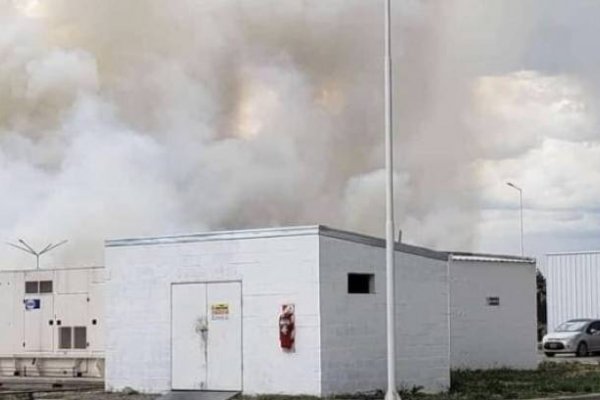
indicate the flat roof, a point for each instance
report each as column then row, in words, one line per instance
column 478, row 257
column 571, row 253
column 50, row 269
column 261, row 233
column 322, row 230
column 272, row 233
column 378, row 242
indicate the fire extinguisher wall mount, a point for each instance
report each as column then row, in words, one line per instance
column 287, row 328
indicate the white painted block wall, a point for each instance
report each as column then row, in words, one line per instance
column 353, row 330
column 273, row 271
column 485, row 336
column 572, row 286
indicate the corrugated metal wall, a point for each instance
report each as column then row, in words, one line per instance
column 572, row 286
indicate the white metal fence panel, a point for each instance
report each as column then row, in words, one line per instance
column 572, row 286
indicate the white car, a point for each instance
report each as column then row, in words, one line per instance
column 578, row 336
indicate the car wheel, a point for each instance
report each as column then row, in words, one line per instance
column 549, row 354
column 582, row 350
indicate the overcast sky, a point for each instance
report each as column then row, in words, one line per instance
column 139, row 118
column 546, row 120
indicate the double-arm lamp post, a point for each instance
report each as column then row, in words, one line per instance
column 23, row 246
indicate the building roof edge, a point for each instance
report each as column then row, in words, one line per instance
column 212, row 236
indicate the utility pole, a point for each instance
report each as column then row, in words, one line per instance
column 391, row 393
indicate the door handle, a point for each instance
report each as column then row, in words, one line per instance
column 202, row 327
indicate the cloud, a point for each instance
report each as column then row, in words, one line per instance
column 560, row 194
column 518, row 111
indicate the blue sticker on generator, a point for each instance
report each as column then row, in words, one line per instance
column 32, row 304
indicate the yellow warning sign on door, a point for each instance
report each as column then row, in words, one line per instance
column 219, row 311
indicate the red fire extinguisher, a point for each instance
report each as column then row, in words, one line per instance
column 287, row 327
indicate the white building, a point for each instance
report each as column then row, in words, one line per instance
column 493, row 311
column 51, row 322
column 572, row 286
column 202, row 312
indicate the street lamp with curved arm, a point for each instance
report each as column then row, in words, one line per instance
column 512, row 185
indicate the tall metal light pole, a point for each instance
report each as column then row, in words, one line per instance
column 391, row 393
column 512, row 185
column 28, row 249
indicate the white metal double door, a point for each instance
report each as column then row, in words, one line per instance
column 206, row 336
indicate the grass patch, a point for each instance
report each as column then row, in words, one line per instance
column 549, row 380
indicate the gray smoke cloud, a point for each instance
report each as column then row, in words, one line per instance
column 150, row 117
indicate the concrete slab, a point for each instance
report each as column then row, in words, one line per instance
column 198, row 395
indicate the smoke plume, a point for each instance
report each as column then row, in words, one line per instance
column 149, row 117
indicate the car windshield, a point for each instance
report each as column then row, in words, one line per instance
column 571, row 326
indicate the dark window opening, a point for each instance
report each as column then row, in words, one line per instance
column 45, row 286
column 361, row 283
column 32, row 287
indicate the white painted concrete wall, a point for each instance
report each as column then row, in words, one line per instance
column 572, row 286
column 273, row 271
column 353, row 354
column 485, row 336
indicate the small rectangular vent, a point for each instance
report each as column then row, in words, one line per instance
column 80, row 337
column 45, row 286
column 493, row 301
column 32, row 287
column 64, row 337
